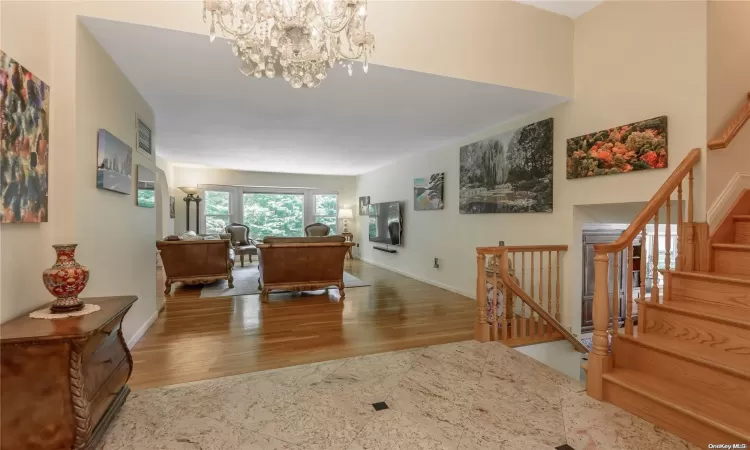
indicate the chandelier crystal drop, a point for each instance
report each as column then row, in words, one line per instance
column 298, row 39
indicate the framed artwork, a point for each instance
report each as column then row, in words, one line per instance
column 364, row 204
column 428, row 192
column 636, row 146
column 144, row 138
column 114, row 166
column 508, row 173
column 171, row 207
column 146, row 191
column 24, row 143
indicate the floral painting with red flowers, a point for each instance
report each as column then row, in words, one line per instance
column 637, row 146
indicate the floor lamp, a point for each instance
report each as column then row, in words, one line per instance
column 192, row 196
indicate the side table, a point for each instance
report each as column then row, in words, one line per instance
column 349, row 238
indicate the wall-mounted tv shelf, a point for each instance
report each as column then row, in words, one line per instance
column 384, row 249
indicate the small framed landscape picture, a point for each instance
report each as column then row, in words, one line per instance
column 114, row 166
column 146, row 197
column 171, row 207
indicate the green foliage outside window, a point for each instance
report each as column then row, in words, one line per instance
column 273, row 214
column 326, row 210
column 217, row 211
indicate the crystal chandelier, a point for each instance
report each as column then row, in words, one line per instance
column 299, row 38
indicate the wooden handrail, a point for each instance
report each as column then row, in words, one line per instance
column 733, row 127
column 652, row 208
column 511, row 284
column 522, row 248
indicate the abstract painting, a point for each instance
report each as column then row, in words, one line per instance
column 508, row 173
column 24, row 143
column 146, row 187
column 636, row 146
column 171, row 207
column 115, row 164
column 428, row 192
column 364, row 205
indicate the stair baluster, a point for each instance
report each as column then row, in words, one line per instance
column 557, row 288
column 524, row 319
column 629, row 293
column 655, row 261
column 679, row 260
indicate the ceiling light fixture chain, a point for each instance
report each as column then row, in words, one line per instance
column 299, row 38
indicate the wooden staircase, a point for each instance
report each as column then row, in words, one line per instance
column 686, row 368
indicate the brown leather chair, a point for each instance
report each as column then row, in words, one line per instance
column 196, row 262
column 241, row 241
column 317, row 229
column 301, row 264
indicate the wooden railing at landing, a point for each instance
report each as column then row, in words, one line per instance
column 606, row 255
column 523, row 287
column 733, row 127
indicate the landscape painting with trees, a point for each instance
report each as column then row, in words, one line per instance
column 636, row 146
column 508, row 173
column 428, row 192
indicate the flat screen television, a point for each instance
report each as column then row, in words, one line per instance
column 385, row 223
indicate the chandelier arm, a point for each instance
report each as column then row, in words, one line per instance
column 234, row 33
column 332, row 28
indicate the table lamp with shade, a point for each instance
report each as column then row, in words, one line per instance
column 346, row 214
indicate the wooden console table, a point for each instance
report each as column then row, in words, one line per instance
column 63, row 380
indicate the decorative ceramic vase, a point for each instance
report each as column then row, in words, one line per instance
column 66, row 279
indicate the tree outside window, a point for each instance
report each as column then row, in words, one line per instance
column 217, row 211
column 326, row 210
column 269, row 214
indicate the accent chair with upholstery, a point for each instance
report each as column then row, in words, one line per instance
column 242, row 243
column 301, row 263
column 196, row 261
column 317, row 229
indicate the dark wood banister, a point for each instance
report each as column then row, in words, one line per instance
column 731, row 130
column 652, row 208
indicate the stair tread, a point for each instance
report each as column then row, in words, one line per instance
column 731, row 246
column 699, row 403
column 741, row 217
column 687, row 351
column 726, row 314
column 717, row 276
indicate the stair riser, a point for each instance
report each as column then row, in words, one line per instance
column 742, row 232
column 672, row 420
column 731, row 261
column 731, row 343
column 724, row 387
column 712, row 292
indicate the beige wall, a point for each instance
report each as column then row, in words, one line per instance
column 619, row 78
column 189, row 176
column 117, row 237
column 88, row 92
column 728, row 86
column 499, row 42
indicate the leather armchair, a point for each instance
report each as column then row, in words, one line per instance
column 241, row 241
column 317, row 230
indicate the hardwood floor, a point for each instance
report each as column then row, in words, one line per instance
column 201, row 338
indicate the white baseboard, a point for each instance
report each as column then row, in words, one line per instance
column 736, row 185
column 142, row 330
column 470, row 295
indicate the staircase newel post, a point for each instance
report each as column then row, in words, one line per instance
column 599, row 359
column 481, row 328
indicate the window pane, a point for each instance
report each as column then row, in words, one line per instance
column 273, row 214
column 217, row 203
column 217, row 224
column 326, row 205
column 330, row 221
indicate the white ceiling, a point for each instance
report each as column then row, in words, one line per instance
column 208, row 113
column 570, row 8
